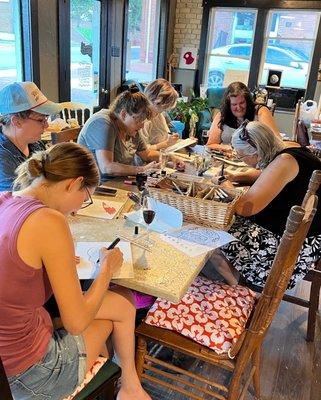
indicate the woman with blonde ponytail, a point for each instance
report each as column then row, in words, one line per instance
column 37, row 259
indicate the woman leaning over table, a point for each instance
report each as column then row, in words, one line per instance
column 114, row 136
column 237, row 105
column 163, row 97
column 264, row 208
column 39, row 360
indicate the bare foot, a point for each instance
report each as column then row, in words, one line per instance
column 133, row 394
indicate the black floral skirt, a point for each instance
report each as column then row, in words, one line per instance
column 253, row 254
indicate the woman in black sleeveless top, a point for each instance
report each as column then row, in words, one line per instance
column 264, row 208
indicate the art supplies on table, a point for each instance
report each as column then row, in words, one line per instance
column 89, row 254
column 181, row 144
column 195, row 240
column 106, row 209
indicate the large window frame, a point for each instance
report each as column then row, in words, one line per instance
column 263, row 7
column 29, row 37
column 64, row 51
column 162, row 39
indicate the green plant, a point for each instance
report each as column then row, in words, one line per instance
column 190, row 110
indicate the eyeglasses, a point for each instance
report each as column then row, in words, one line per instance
column 89, row 201
column 244, row 134
column 42, row 120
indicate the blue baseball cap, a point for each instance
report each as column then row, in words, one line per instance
column 23, row 96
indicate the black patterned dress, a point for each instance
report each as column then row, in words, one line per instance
column 259, row 236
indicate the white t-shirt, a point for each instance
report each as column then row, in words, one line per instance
column 155, row 130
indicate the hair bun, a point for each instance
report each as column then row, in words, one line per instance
column 36, row 167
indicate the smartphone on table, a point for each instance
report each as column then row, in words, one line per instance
column 106, row 191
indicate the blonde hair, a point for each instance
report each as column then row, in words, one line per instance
column 267, row 144
column 133, row 103
column 161, row 92
column 59, row 162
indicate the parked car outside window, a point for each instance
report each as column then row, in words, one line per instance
column 294, row 65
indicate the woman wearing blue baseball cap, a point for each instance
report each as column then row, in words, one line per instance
column 24, row 110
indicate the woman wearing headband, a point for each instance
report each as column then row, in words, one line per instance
column 264, row 208
column 237, row 105
column 38, row 260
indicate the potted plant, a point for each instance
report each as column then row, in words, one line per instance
column 188, row 113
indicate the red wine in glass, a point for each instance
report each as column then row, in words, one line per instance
column 148, row 216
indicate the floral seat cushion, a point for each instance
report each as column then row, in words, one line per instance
column 211, row 313
column 90, row 374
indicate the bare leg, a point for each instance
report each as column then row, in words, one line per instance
column 223, row 266
column 117, row 313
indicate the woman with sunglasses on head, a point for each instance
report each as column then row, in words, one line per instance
column 114, row 136
column 237, row 105
column 23, row 118
column 264, row 208
column 38, row 260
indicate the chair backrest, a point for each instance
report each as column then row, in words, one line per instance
column 66, row 135
column 4, row 384
column 78, row 111
column 297, row 226
column 314, row 184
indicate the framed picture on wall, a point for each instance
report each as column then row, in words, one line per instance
column 188, row 58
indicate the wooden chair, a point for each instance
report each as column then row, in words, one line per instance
column 102, row 384
column 313, row 276
column 79, row 111
column 66, row 135
column 246, row 351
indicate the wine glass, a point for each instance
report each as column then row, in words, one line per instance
column 204, row 137
column 148, row 215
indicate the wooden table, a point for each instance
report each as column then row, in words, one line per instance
column 163, row 272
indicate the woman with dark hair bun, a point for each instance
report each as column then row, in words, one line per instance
column 237, row 105
column 38, row 260
column 113, row 135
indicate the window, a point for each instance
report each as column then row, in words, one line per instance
column 11, row 60
column 289, row 43
column 142, row 39
column 227, row 58
column 85, row 51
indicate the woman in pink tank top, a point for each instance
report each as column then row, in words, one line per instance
column 37, row 259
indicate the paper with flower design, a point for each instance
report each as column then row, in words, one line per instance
column 89, row 254
column 195, row 240
column 106, row 209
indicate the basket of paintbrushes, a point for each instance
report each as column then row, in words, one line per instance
column 201, row 203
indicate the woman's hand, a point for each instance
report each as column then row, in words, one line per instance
column 226, row 149
column 231, row 176
column 172, row 139
column 178, row 163
column 110, row 260
column 149, row 167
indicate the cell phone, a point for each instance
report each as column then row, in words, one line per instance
column 106, row 191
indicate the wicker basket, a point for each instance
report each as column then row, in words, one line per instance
column 211, row 213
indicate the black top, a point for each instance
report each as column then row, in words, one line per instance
column 273, row 217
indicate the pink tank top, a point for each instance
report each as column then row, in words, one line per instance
column 25, row 326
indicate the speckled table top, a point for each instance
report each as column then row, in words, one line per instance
column 162, row 272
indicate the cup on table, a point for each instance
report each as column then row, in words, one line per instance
column 204, row 136
column 163, row 158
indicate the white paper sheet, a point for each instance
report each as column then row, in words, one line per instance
column 106, row 209
column 195, row 240
column 89, row 254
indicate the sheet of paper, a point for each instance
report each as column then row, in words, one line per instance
column 89, row 254
column 181, row 144
column 106, row 209
column 195, row 240
column 166, row 217
column 216, row 170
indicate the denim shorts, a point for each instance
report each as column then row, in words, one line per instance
column 57, row 375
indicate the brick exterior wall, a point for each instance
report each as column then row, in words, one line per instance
column 188, row 22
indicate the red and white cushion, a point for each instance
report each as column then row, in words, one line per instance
column 211, row 313
column 90, row 374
